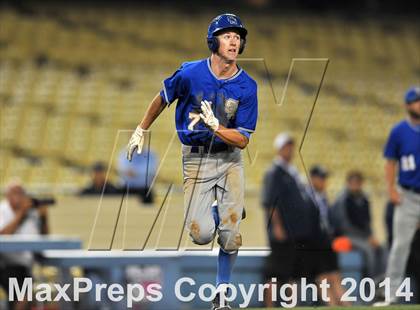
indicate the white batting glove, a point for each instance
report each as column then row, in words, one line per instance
column 208, row 116
column 136, row 141
column 195, row 118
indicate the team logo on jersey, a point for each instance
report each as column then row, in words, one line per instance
column 232, row 20
column 231, row 105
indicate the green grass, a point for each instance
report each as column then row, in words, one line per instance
column 396, row 307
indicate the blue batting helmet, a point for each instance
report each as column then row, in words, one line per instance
column 224, row 22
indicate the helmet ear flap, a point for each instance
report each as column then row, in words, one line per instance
column 242, row 45
column 213, row 44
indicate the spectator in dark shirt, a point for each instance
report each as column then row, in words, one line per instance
column 317, row 191
column 293, row 221
column 351, row 213
column 328, row 265
column 98, row 182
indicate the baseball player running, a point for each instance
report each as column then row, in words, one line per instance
column 403, row 151
column 215, row 115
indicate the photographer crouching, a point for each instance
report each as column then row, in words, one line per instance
column 20, row 215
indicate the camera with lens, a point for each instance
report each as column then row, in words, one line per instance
column 41, row 202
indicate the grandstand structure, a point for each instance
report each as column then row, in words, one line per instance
column 75, row 80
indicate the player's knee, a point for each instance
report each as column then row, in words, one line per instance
column 229, row 241
column 202, row 238
column 201, row 234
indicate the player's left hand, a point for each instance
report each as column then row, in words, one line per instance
column 208, row 116
column 136, row 141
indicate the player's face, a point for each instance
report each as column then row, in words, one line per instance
column 229, row 43
column 413, row 110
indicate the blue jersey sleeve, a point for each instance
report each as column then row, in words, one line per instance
column 173, row 87
column 391, row 147
column 247, row 114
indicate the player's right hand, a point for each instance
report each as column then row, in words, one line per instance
column 395, row 197
column 136, row 141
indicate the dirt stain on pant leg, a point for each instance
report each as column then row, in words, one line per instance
column 231, row 217
column 195, row 230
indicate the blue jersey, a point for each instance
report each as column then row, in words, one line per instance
column 234, row 101
column 404, row 146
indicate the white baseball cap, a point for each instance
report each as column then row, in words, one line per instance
column 281, row 140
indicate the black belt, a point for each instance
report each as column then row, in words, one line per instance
column 411, row 189
column 218, row 148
